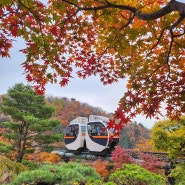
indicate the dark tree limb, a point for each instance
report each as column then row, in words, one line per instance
column 173, row 5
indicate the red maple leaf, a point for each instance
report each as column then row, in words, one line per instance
column 64, row 81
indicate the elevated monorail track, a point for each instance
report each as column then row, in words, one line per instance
column 67, row 155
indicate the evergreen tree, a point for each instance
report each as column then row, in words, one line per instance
column 30, row 121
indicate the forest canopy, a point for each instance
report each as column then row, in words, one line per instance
column 143, row 41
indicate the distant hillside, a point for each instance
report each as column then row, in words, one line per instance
column 68, row 109
column 132, row 134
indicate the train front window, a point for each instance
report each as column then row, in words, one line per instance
column 72, row 130
column 97, row 129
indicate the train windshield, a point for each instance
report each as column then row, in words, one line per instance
column 72, row 130
column 97, row 129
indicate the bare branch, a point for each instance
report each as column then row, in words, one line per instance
column 169, row 51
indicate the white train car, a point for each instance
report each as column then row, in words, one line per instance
column 90, row 135
column 74, row 137
column 99, row 139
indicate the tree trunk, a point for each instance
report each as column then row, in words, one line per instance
column 22, row 142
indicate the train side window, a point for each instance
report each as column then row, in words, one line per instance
column 89, row 129
column 83, row 129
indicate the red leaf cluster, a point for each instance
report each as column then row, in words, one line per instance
column 101, row 168
column 5, row 45
column 121, row 156
column 118, row 121
column 150, row 162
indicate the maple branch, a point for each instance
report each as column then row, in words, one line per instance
column 179, row 35
column 156, row 69
column 179, row 20
column 158, row 40
column 64, row 21
column 129, row 22
column 122, row 27
column 170, row 7
column 170, row 28
column 172, row 39
column 101, row 55
column 173, row 5
column 169, row 51
column 29, row 10
column 108, row 5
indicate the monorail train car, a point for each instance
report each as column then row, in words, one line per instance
column 90, row 135
column 100, row 139
column 75, row 133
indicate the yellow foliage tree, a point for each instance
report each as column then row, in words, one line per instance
column 169, row 136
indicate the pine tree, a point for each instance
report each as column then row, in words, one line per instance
column 30, row 121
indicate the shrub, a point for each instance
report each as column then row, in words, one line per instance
column 131, row 174
column 120, row 156
column 31, row 165
column 50, row 157
column 65, row 174
column 178, row 174
column 101, row 168
column 9, row 169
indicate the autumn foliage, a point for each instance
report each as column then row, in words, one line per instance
column 141, row 40
column 144, row 145
column 68, row 109
column 50, row 157
column 151, row 163
column 101, row 168
column 122, row 156
column 169, row 136
column 44, row 157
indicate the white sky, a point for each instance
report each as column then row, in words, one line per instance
column 183, row 1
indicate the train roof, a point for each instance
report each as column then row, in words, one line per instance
column 92, row 118
column 80, row 120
